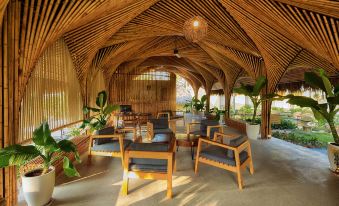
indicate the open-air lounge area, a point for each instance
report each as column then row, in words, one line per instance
column 169, row 102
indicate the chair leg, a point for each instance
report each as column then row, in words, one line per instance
column 89, row 159
column 169, row 186
column 251, row 167
column 197, row 158
column 125, row 183
column 240, row 183
column 196, row 168
column 174, row 163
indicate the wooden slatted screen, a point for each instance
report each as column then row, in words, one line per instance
column 52, row 93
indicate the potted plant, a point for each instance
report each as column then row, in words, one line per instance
column 38, row 184
column 101, row 113
column 253, row 92
column 188, row 106
column 198, row 105
column 325, row 109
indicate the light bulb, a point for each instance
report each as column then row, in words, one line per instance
column 196, row 23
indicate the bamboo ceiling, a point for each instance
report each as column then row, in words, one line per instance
column 245, row 38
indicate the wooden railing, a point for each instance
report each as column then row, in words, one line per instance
column 28, row 141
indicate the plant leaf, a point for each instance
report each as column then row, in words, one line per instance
column 327, row 83
column 317, row 115
column 242, row 90
column 69, row 169
column 101, row 99
column 203, row 98
column 85, row 110
column 110, row 108
column 42, row 136
column 303, row 102
column 259, row 84
column 17, row 155
column 68, row 146
column 314, row 80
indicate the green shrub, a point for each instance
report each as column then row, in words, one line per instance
column 285, row 124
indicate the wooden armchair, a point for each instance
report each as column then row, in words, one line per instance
column 150, row 161
column 130, row 125
column 234, row 155
column 170, row 115
column 106, row 144
column 207, row 128
column 160, row 126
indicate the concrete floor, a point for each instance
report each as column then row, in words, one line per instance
column 285, row 174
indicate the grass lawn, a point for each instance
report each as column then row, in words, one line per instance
column 307, row 139
column 323, row 137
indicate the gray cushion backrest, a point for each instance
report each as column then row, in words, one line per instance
column 161, row 123
column 234, row 142
column 104, row 131
column 205, row 123
column 152, row 147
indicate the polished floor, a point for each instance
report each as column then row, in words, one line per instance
column 285, row 174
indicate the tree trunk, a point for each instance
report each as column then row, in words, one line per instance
column 334, row 132
column 254, row 113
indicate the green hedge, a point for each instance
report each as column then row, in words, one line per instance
column 285, row 124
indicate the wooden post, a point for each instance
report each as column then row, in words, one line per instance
column 266, row 120
column 208, row 102
column 227, row 102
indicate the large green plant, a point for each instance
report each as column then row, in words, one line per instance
column 253, row 92
column 324, row 110
column 101, row 113
column 45, row 147
column 188, row 106
column 199, row 105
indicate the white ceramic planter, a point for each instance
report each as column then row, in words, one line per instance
column 252, row 130
column 38, row 190
column 331, row 150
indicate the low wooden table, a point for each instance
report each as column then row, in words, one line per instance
column 188, row 142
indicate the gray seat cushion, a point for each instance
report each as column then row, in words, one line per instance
column 219, row 154
column 163, row 131
column 148, row 167
column 161, row 123
column 147, row 164
column 104, row 131
column 113, row 146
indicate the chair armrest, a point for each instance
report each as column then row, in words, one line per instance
column 221, row 129
column 106, row 136
column 189, row 126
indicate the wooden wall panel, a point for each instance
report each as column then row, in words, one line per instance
column 146, row 95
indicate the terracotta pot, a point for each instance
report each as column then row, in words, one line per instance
column 38, row 190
